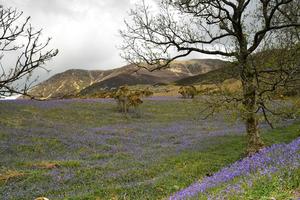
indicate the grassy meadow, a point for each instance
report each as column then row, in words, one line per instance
column 86, row 149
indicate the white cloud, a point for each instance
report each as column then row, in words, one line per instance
column 85, row 32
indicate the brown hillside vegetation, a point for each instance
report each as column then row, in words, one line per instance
column 87, row 83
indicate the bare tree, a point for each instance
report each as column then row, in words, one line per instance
column 19, row 40
column 236, row 29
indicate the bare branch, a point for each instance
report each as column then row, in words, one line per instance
column 17, row 35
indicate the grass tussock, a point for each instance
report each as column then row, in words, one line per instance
column 45, row 165
column 10, row 174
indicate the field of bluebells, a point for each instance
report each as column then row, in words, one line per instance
column 278, row 160
column 86, row 149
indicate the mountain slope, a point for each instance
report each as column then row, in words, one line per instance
column 67, row 83
column 71, row 82
column 219, row 75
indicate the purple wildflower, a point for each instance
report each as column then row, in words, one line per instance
column 266, row 162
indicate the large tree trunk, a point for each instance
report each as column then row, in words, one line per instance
column 250, row 106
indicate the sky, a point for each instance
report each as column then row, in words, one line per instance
column 86, row 33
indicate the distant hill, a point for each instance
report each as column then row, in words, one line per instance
column 229, row 76
column 84, row 82
column 229, row 71
column 67, row 83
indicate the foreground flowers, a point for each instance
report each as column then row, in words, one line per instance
column 268, row 161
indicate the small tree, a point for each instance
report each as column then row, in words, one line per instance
column 19, row 40
column 237, row 29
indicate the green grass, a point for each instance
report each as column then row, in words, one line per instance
column 180, row 171
column 280, row 187
column 108, row 170
column 172, row 174
column 283, row 185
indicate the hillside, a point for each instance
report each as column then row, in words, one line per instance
column 84, row 82
column 67, row 83
column 212, row 77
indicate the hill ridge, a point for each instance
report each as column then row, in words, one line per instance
column 74, row 81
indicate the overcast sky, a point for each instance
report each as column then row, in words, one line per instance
column 84, row 31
